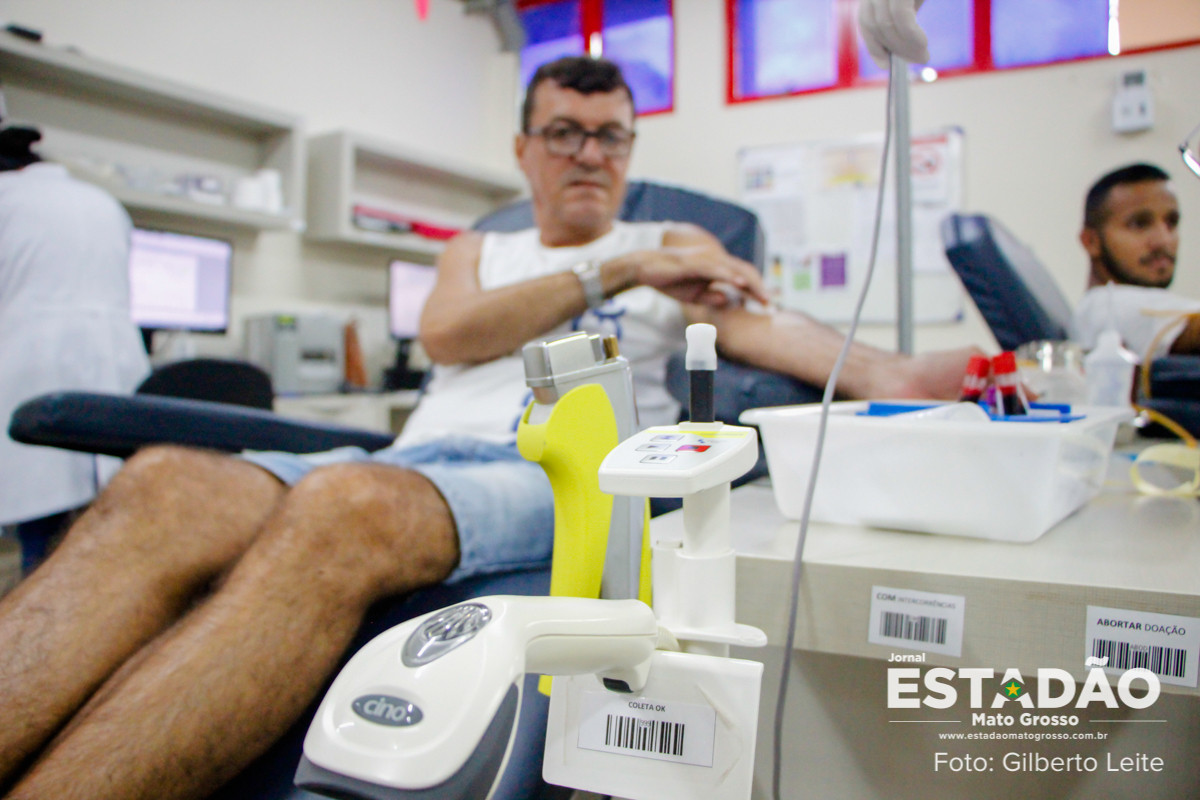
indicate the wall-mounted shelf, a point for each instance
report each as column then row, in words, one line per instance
column 139, row 136
column 348, row 170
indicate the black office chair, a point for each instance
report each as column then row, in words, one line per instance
column 1021, row 302
column 220, row 380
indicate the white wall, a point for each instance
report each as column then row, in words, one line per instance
column 367, row 65
column 1035, row 138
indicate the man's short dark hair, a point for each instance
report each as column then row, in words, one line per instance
column 584, row 74
column 1094, row 213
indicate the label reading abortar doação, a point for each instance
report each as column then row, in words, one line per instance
column 1166, row 644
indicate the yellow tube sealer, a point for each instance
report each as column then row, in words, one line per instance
column 582, row 408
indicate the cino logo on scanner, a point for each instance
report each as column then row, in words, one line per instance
column 387, row 710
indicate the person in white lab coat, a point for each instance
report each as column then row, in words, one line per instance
column 64, row 317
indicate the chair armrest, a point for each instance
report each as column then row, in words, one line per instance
column 117, row 425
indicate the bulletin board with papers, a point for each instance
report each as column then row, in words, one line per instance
column 816, row 202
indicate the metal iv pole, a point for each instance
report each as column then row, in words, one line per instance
column 898, row 84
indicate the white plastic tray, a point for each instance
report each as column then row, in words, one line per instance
column 1010, row 481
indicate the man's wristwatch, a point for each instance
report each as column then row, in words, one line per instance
column 588, row 273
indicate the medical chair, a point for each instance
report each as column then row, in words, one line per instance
column 1021, row 302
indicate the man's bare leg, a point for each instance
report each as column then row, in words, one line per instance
column 219, row 688
column 165, row 527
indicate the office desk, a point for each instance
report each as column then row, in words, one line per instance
column 1025, row 608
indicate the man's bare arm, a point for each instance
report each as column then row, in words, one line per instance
column 796, row 344
column 463, row 323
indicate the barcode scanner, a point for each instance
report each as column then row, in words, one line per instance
column 428, row 708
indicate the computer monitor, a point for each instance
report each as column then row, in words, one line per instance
column 409, row 286
column 179, row 282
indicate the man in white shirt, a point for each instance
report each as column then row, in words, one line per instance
column 1131, row 235
column 198, row 607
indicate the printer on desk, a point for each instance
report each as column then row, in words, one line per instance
column 304, row 353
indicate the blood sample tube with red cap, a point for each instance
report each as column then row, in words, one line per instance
column 1004, row 374
column 975, row 379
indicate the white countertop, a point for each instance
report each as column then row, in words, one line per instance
column 1025, row 602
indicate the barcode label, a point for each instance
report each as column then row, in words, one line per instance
column 1162, row 661
column 645, row 735
column 1166, row 644
column 644, row 727
column 912, row 620
column 915, row 629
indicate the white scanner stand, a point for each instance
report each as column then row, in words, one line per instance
column 697, row 461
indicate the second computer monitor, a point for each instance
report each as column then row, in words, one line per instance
column 179, row 282
column 409, row 286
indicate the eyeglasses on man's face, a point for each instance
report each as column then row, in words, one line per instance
column 1188, row 149
column 565, row 138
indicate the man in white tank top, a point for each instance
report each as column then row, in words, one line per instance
column 289, row 552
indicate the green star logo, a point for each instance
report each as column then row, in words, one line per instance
column 1013, row 689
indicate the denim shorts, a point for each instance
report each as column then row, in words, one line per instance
column 501, row 503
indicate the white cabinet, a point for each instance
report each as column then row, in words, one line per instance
column 389, row 183
column 167, row 151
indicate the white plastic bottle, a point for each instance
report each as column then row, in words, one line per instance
column 1109, row 371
